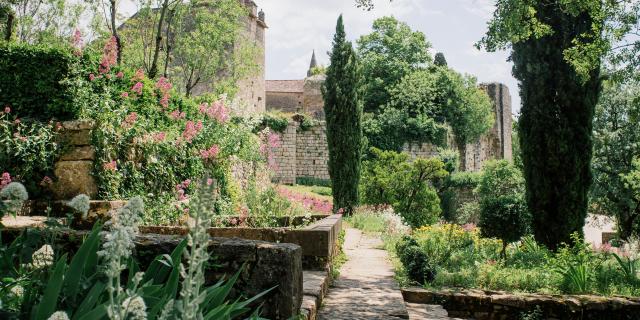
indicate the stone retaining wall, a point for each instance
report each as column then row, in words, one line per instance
column 491, row 305
column 73, row 170
column 267, row 265
column 302, row 154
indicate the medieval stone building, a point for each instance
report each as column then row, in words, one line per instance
column 304, row 154
column 251, row 89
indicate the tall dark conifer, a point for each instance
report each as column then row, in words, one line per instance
column 555, row 126
column 343, row 112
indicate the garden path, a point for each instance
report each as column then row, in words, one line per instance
column 366, row 288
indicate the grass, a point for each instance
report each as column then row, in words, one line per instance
column 340, row 258
column 314, row 191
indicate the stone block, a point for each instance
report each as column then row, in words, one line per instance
column 79, row 153
column 74, row 178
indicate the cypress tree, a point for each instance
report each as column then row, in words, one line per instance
column 440, row 60
column 556, row 124
column 343, row 114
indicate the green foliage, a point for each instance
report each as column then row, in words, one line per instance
column 461, row 258
column 503, row 211
column 616, row 144
column 276, row 121
column 390, row 178
column 555, row 132
column 39, row 81
column 420, row 105
column 323, row 191
column 415, row 261
column 319, row 70
column 387, row 55
column 343, row 113
column 439, row 60
column 311, row 181
column 28, row 150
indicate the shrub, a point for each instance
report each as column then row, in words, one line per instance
column 390, row 178
column 39, row 81
column 503, row 211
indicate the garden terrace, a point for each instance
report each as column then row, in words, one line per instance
column 484, row 305
column 268, row 265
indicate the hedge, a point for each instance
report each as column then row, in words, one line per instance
column 37, row 81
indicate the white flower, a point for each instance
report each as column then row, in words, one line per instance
column 135, row 307
column 17, row 291
column 59, row 315
column 42, row 258
column 80, row 203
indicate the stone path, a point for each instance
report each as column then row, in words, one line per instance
column 366, row 288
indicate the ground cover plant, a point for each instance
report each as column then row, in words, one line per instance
column 102, row 280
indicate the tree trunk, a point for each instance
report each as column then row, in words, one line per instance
column 9, row 27
column 168, row 42
column 114, row 30
column 156, row 53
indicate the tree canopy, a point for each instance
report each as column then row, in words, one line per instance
column 387, row 55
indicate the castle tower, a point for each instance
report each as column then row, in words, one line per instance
column 313, row 64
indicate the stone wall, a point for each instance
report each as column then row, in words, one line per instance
column 302, row 154
column 490, row 305
column 73, row 170
column 495, row 144
column 284, row 101
column 313, row 100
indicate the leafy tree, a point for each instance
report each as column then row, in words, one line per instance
column 390, row 178
column 440, row 60
column 616, row 145
column 343, row 113
column 441, row 96
column 387, row 55
column 40, row 21
column 503, row 210
column 559, row 86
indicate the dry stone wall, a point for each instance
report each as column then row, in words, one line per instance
column 302, row 154
column 73, row 171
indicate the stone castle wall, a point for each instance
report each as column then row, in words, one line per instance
column 284, row 101
column 302, row 154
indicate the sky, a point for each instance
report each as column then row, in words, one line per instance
column 297, row 27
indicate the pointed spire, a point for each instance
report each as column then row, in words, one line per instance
column 313, row 63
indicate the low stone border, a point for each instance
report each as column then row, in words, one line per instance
column 315, row 287
column 267, row 265
column 490, row 305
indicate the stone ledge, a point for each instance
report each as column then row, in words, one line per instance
column 268, row 265
column 315, row 287
column 481, row 304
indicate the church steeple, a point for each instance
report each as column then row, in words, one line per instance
column 313, row 63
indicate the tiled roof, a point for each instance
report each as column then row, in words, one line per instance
column 285, row 85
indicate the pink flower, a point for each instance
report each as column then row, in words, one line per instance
column 46, row 181
column 164, row 102
column 209, row 181
column 5, row 179
column 58, row 126
column 109, row 55
column 234, row 221
column 7, row 109
column 130, row 120
column 177, row 115
column 138, row 76
column 163, row 85
column 217, row 111
column 17, row 121
column 137, row 88
column 110, row 166
column 186, row 183
column 159, row 137
column 191, row 130
column 91, row 77
column 125, row 94
column 77, row 42
column 181, row 196
column 211, row 153
column 469, row 227
column 120, row 75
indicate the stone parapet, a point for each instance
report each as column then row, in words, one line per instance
column 490, row 305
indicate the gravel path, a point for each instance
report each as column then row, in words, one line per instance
column 366, row 288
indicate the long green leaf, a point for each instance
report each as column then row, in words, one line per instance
column 90, row 300
column 51, row 293
column 77, row 266
column 96, row 314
